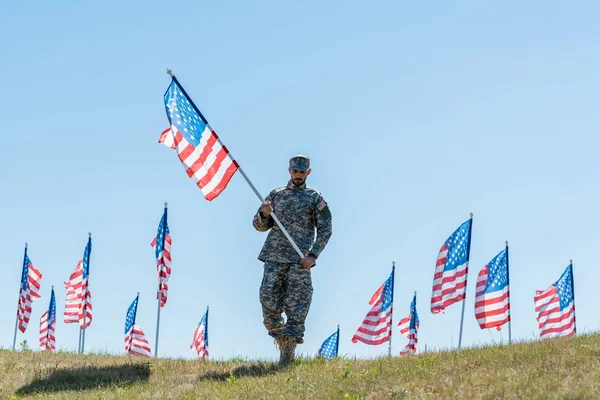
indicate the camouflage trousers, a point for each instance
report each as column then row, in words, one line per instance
column 286, row 287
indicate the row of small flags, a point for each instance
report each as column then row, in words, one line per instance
column 210, row 165
column 78, row 306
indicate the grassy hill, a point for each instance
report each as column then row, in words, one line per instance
column 558, row 368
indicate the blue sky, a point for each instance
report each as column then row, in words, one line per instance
column 414, row 115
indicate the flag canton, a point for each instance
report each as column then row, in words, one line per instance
column 497, row 278
column 130, row 319
column 329, row 347
column 414, row 317
column 86, row 259
column 565, row 288
column 163, row 232
column 183, row 116
column 386, row 294
column 458, row 247
column 52, row 309
column 25, row 277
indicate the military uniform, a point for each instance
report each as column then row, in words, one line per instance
column 286, row 285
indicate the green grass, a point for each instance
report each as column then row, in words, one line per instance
column 558, row 368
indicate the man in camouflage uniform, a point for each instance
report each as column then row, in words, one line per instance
column 286, row 285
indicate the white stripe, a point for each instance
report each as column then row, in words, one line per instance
column 208, row 163
column 448, row 285
column 492, row 296
column 557, row 314
column 218, row 177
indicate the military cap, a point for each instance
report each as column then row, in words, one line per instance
column 300, row 161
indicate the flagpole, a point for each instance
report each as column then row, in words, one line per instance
column 158, row 297
column 337, row 344
column 19, row 300
column 206, row 329
column 462, row 315
column 248, row 181
column 508, row 284
column 573, row 291
column 82, row 330
column 392, row 308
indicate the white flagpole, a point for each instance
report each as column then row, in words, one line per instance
column 462, row 315
column 82, row 330
column 158, row 295
column 277, row 221
column 392, row 308
column 19, row 301
column 508, row 281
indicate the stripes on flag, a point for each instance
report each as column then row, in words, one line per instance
column 79, row 297
column 492, row 295
column 205, row 159
column 377, row 325
column 162, row 245
column 135, row 340
column 200, row 341
column 555, row 307
column 451, row 269
column 330, row 346
column 409, row 327
column 29, row 291
column 136, row 343
column 48, row 326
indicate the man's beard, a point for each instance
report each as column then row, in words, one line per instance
column 298, row 182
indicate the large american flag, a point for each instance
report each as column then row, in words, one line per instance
column 79, row 297
column 377, row 325
column 135, row 340
column 200, row 341
column 492, row 295
column 205, row 159
column 48, row 326
column 555, row 307
column 451, row 269
column 330, row 346
column 409, row 327
column 162, row 246
column 29, row 291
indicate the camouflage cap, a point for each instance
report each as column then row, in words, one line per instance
column 300, row 161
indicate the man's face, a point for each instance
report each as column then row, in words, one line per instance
column 298, row 176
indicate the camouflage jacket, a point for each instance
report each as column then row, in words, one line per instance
column 301, row 211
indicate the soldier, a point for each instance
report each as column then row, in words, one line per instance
column 286, row 285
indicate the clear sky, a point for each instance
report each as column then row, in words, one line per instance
column 414, row 115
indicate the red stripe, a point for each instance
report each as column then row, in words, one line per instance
column 492, row 313
column 223, row 184
column 488, row 302
column 199, row 162
column 213, row 169
column 451, row 278
column 371, row 342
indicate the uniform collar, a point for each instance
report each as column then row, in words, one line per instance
column 291, row 185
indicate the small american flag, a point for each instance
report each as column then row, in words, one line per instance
column 377, row 325
column 135, row 340
column 29, row 291
column 492, row 296
column 205, row 159
column 409, row 327
column 48, row 326
column 555, row 307
column 79, row 297
column 330, row 346
column 451, row 269
column 200, row 341
column 162, row 246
